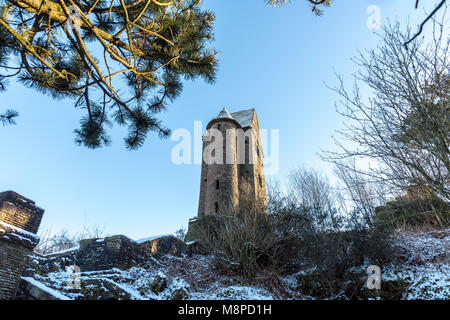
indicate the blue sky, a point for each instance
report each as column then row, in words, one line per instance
column 274, row 60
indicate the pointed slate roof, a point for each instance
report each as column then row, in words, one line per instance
column 244, row 117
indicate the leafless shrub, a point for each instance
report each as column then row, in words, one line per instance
column 51, row 243
column 243, row 243
column 343, row 235
column 181, row 233
column 312, row 193
column 305, row 227
column 403, row 126
column 359, row 196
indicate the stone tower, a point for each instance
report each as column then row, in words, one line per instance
column 232, row 167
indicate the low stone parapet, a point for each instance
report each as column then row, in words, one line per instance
column 107, row 253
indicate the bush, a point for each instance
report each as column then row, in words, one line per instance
column 250, row 243
column 50, row 243
column 297, row 231
column 338, row 261
column 415, row 211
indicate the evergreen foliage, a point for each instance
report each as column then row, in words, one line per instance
column 121, row 61
column 316, row 4
column 8, row 117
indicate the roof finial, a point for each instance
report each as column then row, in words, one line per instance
column 224, row 114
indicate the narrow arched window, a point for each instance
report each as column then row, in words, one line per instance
column 247, row 150
column 216, row 207
column 217, row 184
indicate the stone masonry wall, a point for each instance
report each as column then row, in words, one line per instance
column 163, row 245
column 19, row 222
column 20, row 212
column 223, row 175
column 225, row 184
column 13, row 257
column 110, row 252
column 259, row 181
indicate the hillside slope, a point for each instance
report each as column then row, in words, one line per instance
column 420, row 269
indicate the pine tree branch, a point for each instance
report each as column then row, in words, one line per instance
column 149, row 46
column 8, row 117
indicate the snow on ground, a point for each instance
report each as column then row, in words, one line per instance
column 73, row 249
column 429, row 282
column 46, row 289
column 422, row 262
column 136, row 283
column 234, row 293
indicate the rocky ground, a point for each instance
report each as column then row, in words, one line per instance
column 419, row 270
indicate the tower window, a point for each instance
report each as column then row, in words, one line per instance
column 247, row 151
column 217, row 184
column 218, row 126
column 216, row 207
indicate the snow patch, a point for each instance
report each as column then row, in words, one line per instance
column 18, row 231
column 153, row 238
column 46, row 289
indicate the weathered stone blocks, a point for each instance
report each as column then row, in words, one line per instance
column 19, row 221
column 123, row 253
column 163, row 245
column 110, row 252
column 20, row 212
